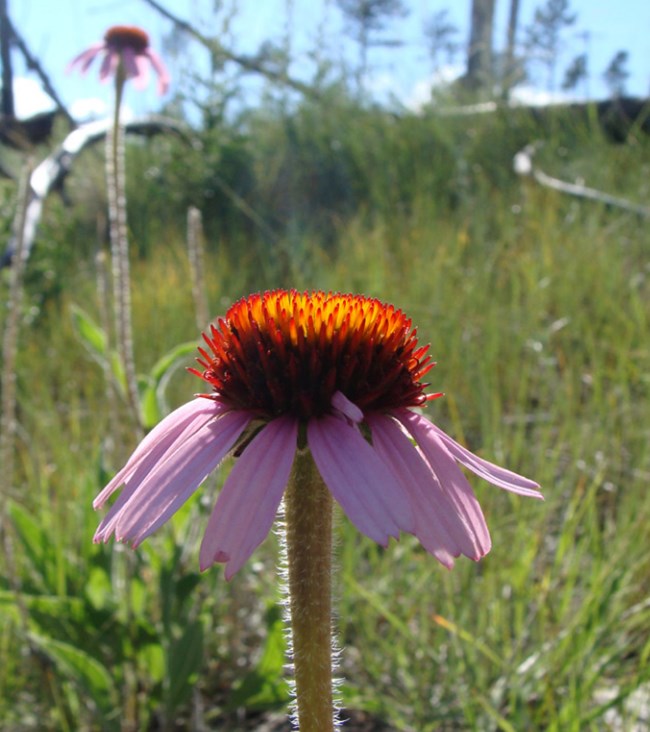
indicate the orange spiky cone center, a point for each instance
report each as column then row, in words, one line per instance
column 127, row 36
column 286, row 352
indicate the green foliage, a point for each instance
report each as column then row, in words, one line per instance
column 104, row 628
column 151, row 386
column 537, row 310
column 265, row 687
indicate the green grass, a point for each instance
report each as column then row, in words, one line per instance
column 537, row 309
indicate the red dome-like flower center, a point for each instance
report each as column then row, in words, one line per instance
column 127, row 36
column 285, row 352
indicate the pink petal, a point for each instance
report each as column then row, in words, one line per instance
column 165, row 481
column 160, row 69
column 489, row 471
column 132, row 69
column 174, row 429
column 438, row 525
column 85, row 58
column 359, row 480
column 176, row 476
column 451, row 479
column 249, row 500
column 141, row 79
column 109, row 65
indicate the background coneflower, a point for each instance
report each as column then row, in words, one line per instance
column 126, row 55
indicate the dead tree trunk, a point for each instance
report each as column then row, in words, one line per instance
column 479, row 57
column 7, row 102
column 509, row 71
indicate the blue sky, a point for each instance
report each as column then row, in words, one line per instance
column 55, row 32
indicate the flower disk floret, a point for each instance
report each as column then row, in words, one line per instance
column 286, row 352
column 338, row 375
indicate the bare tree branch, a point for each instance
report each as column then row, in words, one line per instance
column 249, row 63
column 33, row 64
column 51, row 172
column 523, row 165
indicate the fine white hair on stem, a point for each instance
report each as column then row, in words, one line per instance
column 283, row 575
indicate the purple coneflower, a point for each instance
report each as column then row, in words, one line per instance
column 337, row 374
column 130, row 46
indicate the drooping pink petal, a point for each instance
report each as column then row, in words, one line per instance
column 450, row 476
column 249, row 500
column 494, row 474
column 158, row 487
column 109, row 65
column 174, row 429
column 438, row 525
column 131, row 68
column 141, row 78
column 359, row 480
column 85, row 58
column 176, row 476
column 160, row 69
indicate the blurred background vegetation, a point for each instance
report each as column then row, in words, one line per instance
column 537, row 308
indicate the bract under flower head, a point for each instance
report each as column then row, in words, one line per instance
column 286, row 352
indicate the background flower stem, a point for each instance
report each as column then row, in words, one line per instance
column 115, row 186
column 308, row 515
column 8, row 355
column 9, row 402
column 196, row 257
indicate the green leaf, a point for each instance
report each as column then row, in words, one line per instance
column 165, row 367
column 152, row 386
column 170, row 360
column 149, row 407
column 95, row 339
column 176, row 595
column 185, row 586
column 93, row 336
column 81, row 668
column 184, row 659
column 37, row 545
column 68, row 608
column 8, row 609
column 265, row 686
column 99, row 589
column 118, row 372
column 152, row 660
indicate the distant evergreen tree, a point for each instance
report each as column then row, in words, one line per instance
column 365, row 18
column 616, row 74
column 441, row 35
column 544, row 34
column 576, row 72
